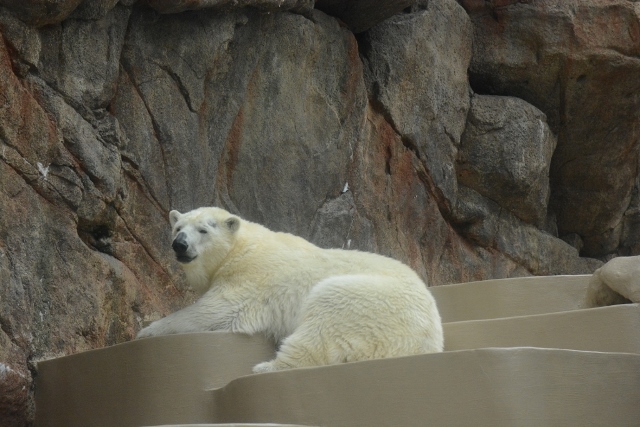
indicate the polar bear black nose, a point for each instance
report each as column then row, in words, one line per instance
column 180, row 244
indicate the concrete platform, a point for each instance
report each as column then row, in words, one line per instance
column 516, row 387
column 606, row 329
column 522, row 296
column 521, row 352
column 160, row 380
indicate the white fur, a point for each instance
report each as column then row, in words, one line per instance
column 325, row 306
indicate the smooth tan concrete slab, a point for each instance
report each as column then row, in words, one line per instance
column 205, row 378
column 608, row 329
column 523, row 387
column 152, row 381
column 165, row 380
column 521, row 296
column 232, row 425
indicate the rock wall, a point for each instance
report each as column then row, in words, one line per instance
column 470, row 139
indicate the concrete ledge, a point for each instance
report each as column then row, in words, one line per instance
column 231, row 425
column 608, row 329
column 517, row 387
column 145, row 382
column 180, row 379
column 206, row 377
column 523, row 296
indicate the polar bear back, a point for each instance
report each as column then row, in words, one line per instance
column 288, row 258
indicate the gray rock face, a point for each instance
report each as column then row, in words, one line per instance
column 428, row 111
column 173, row 6
column 578, row 62
column 118, row 114
column 240, row 104
column 76, row 61
column 41, row 12
column 505, row 155
column 361, row 15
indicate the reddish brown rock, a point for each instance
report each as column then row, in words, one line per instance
column 398, row 215
column 578, row 62
column 15, row 388
column 73, row 276
column 421, row 87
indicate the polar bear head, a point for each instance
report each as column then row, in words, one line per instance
column 202, row 238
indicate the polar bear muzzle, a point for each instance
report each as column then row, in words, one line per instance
column 180, row 247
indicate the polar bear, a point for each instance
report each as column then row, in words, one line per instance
column 323, row 306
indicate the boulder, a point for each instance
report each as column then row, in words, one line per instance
column 420, row 87
column 272, row 107
column 616, row 282
column 173, row 6
column 41, row 12
column 80, row 58
column 505, row 155
column 577, row 61
column 361, row 15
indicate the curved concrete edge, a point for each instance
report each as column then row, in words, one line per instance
column 522, row 296
column 607, row 329
column 157, row 380
column 232, row 425
column 490, row 387
column 165, row 379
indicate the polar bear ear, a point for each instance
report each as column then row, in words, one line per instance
column 232, row 223
column 174, row 216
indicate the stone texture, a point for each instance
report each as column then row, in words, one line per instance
column 80, row 58
column 416, row 71
column 63, row 287
column 118, row 114
column 361, row 15
column 505, row 155
column 41, row 12
column 241, row 105
column 96, row 9
column 406, row 191
column 578, row 62
column 398, row 215
column 630, row 238
column 535, row 251
column 14, row 388
column 173, row 6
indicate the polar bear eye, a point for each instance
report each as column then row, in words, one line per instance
column 202, row 231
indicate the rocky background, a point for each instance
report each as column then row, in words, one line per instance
column 471, row 139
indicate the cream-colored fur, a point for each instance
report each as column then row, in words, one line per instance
column 324, row 306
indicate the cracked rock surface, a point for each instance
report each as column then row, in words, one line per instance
column 471, row 140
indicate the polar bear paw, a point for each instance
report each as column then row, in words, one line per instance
column 264, row 367
column 145, row 333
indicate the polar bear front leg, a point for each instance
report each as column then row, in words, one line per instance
column 185, row 320
column 209, row 313
column 296, row 351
